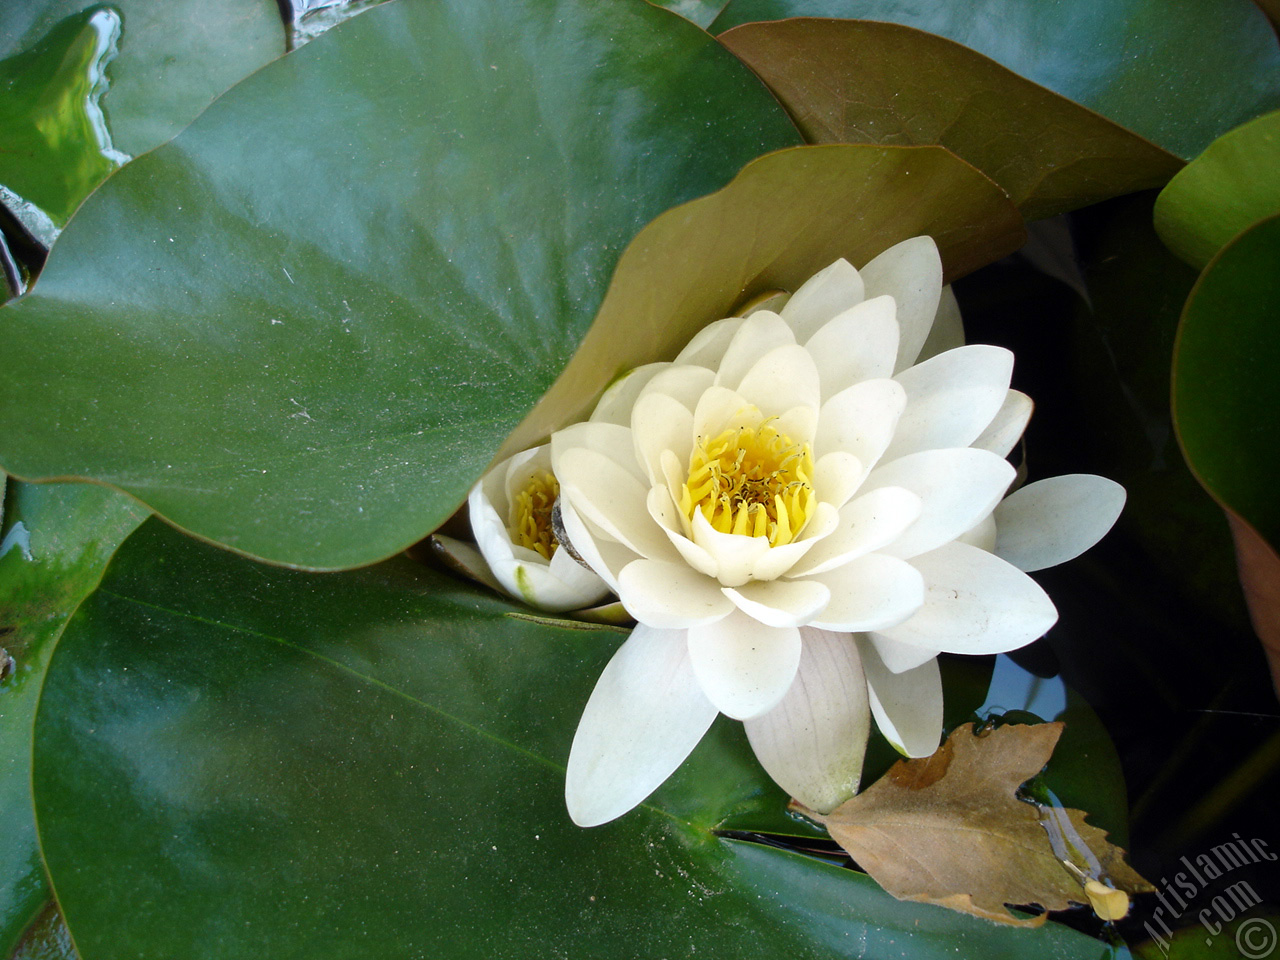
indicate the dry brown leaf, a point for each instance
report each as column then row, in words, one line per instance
column 949, row 829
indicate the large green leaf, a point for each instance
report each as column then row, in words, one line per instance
column 1226, row 391
column 234, row 761
column 307, row 349
column 1230, row 186
column 58, row 540
column 1178, row 74
column 786, row 216
column 858, row 81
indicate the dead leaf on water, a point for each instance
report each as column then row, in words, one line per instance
column 949, row 829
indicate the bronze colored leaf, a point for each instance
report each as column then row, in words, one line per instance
column 860, row 81
column 949, row 829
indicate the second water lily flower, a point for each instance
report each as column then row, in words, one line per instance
column 511, row 519
column 801, row 517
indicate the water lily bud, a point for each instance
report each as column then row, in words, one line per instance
column 511, row 518
column 801, row 512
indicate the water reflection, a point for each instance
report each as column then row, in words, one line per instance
column 1013, row 688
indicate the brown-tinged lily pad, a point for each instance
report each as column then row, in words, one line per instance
column 859, row 81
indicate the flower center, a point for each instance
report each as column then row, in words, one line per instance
column 752, row 481
column 532, row 514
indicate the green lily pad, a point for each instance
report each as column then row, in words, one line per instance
column 857, row 81
column 309, row 350
column 1178, row 74
column 701, row 12
column 57, row 541
column 46, row 939
column 1226, row 394
column 786, row 216
column 234, row 760
column 1232, row 185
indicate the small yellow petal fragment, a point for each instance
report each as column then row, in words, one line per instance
column 531, row 515
column 751, row 481
column 1107, row 902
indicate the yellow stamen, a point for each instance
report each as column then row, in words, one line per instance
column 751, row 481
column 531, row 515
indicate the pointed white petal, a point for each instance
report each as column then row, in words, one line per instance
column 606, row 557
column 516, row 474
column 907, row 705
column 812, row 743
column 974, row 603
column 859, row 344
column 721, row 409
column 757, row 335
column 578, row 579
column 1005, row 430
column 682, row 383
column 798, row 423
column 947, row 331
column 860, row 420
column 983, row 536
column 1055, row 520
column 872, row 521
column 734, row 555
column 533, row 582
column 869, row 593
column 613, row 499
column 780, row 560
column 670, row 595
column 951, row 398
column 900, row 657
column 645, row 715
column 824, row 295
column 780, row 603
column 660, row 423
column 836, row 477
column 772, row 301
column 619, row 397
column 911, row 273
column 610, row 439
column 956, row 487
column 709, row 344
column 783, row 378
column 744, row 667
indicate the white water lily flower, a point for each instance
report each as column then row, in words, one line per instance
column 801, row 517
column 511, row 519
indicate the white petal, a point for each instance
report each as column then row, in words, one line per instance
column 947, row 331
column 780, row 603
column 734, row 554
column 824, row 295
column 900, row 657
column 670, row 595
column 812, row 743
column 1005, row 430
column 957, row 488
column 613, row 499
column 744, row 667
column 682, row 383
column 518, row 471
column 757, row 335
column 487, row 526
column 709, row 344
column 1054, row 520
column 610, row 439
column 951, row 398
column 577, row 578
column 869, row 593
column 798, row 423
column 533, row 582
column 783, row 378
column 782, row 559
column 465, row 557
column 982, row 536
column 619, row 397
column 606, row 557
column 911, row 273
column 836, row 477
column 870, row 522
column 974, row 603
column 645, row 715
column 660, row 423
column 859, row 344
column 721, row 409
column 860, row 420
column 907, row 705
